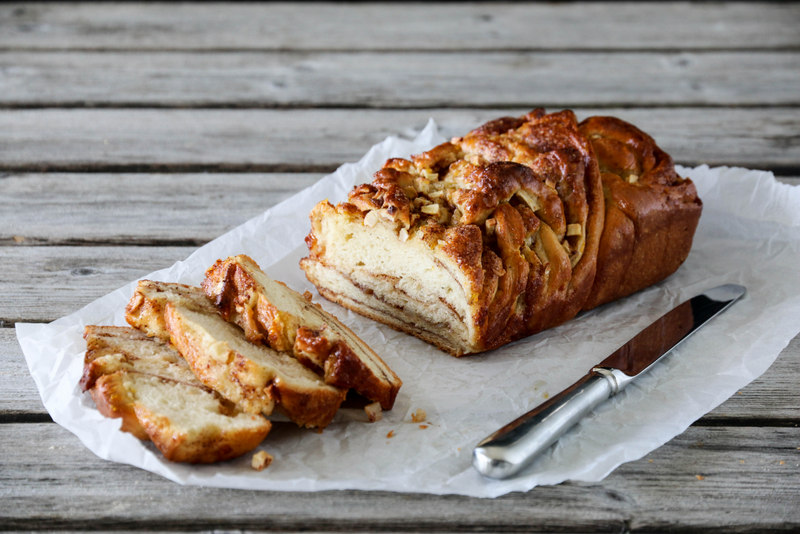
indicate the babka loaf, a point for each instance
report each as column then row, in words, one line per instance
column 145, row 382
column 511, row 229
column 255, row 377
column 269, row 312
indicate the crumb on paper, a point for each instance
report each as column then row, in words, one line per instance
column 650, row 460
column 419, row 416
column 307, row 295
column 423, row 426
column 699, row 477
column 374, row 412
column 741, row 461
column 261, row 460
column 545, row 395
column 781, row 462
column 390, row 434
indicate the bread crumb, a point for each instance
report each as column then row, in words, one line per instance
column 307, row 295
column 781, row 462
column 423, row 426
column 373, row 411
column 390, row 434
column 419, row 416
column 650, row 460
column 545, row 395
column 699, row 477
column 261, row 460
column 18, row 239
column 741, row 461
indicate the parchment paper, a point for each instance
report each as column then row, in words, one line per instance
column 749, row 234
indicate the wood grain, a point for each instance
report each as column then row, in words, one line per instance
column 135, row 209
column 44, row 283
column 55, row 471
column 412, row 80
column 320, row 140
column 401, row 26
column 18, row 393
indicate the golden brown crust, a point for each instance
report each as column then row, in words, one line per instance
column 112, row 400
column 651, row 212
column 541, row 217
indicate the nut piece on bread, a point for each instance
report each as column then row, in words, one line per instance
column 255, row 377
column 271, row 313
column 513, row 228
column 145, row 382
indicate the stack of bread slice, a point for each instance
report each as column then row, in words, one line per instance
column 202, row 369
column 145, row 382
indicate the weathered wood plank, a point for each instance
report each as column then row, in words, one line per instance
column 135, row 209
column 770, row 399
column 50, row 282
column 746, row 480
column 312, row 139
column 18, row 393
column 407, row 26
column 254, row 79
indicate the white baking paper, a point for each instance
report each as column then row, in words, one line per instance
column 749, row 234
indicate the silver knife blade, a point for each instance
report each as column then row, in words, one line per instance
column 514, row 446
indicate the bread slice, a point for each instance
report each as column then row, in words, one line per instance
column 257, row 378
column 145, row 382
column 269, row 312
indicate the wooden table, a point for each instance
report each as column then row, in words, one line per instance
column 131, row 134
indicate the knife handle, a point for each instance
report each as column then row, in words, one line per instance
column 515, row 445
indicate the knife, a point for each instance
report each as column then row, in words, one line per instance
column 517, row 444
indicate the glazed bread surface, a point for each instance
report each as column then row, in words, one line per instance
column 513, row 228
column 651, row 213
